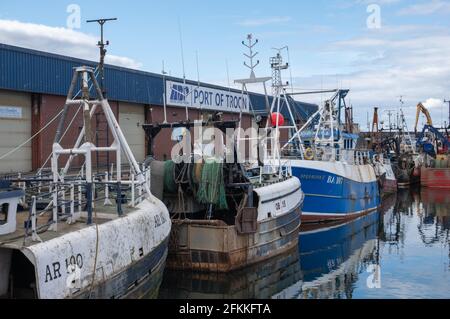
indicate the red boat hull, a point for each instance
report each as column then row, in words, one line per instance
column 435, row 177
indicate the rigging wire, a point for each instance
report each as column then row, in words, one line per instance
column 31, row 138
column 38, row 133
column 96, row 72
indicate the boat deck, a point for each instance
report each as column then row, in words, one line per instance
column 19, row 239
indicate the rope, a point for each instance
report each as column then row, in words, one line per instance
column 95, row 262
column 31, row 138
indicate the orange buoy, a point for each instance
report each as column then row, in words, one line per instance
column 277, row 119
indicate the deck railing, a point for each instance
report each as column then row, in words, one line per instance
column 67, row 200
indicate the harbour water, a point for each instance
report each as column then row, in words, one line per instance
column 401, row 251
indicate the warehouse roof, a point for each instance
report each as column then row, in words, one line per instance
column 46, row 73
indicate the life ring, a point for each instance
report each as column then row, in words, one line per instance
column 309, row 154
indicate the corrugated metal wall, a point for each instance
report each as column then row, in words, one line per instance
column 39, row 72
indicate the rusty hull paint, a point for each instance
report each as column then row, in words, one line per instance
column 221, row 249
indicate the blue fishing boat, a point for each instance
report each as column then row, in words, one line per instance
column 338, row 180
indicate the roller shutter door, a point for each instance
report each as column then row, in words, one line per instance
column 15, row 128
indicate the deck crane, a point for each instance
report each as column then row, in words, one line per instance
column 437, row 137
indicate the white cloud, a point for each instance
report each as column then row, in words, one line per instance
column 57, row 40
column 433, row 103
column 264, row 21
column 387, row 65
column 427, row 8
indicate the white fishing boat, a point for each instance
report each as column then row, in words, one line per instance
column 82, row 245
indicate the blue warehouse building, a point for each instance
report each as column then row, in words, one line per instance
column 33, row 86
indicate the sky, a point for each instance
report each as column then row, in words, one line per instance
column 380, row 50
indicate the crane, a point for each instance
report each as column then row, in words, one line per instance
column 427, row 145
column 424, row 110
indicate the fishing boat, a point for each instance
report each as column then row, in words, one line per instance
column 87, row 243
column 404, row 161
column 435, row 158
column 386, row 178
column 225, row 215
column 338, row 180
column 228, row 211
column 380, row 160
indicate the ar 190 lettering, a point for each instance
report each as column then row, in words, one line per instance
column 53, row 271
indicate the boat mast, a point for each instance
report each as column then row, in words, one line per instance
column 282, row 100
column 251, row 55
column 102, row 44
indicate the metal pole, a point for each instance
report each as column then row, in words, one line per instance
column 102, row 45
column 445, row 101
column 164, row 73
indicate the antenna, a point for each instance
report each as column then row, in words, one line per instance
column 277, row 66
column 448, row 102
column 182, row 50
column 402, row 102
column 390, row 113
column 251, row 44
column 164, row 74
column 228, row 75
column 101, row 44
column 182, row 62
column 198, row 70
column 290, row 70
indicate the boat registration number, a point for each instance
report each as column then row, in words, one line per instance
column 280, row 205
column 335, row 180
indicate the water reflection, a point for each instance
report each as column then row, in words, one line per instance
column 402, row 251
column 434, row 226
column 258, row 282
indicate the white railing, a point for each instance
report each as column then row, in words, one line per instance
column 352, row 157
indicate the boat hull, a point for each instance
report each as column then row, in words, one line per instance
column 435, row 177
column 406, row 177
column 117, row 259
column 387, row 180
column 220, row 248
column 141, row 280
column 336, row 191
column 389, row 185
column 213, row 246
